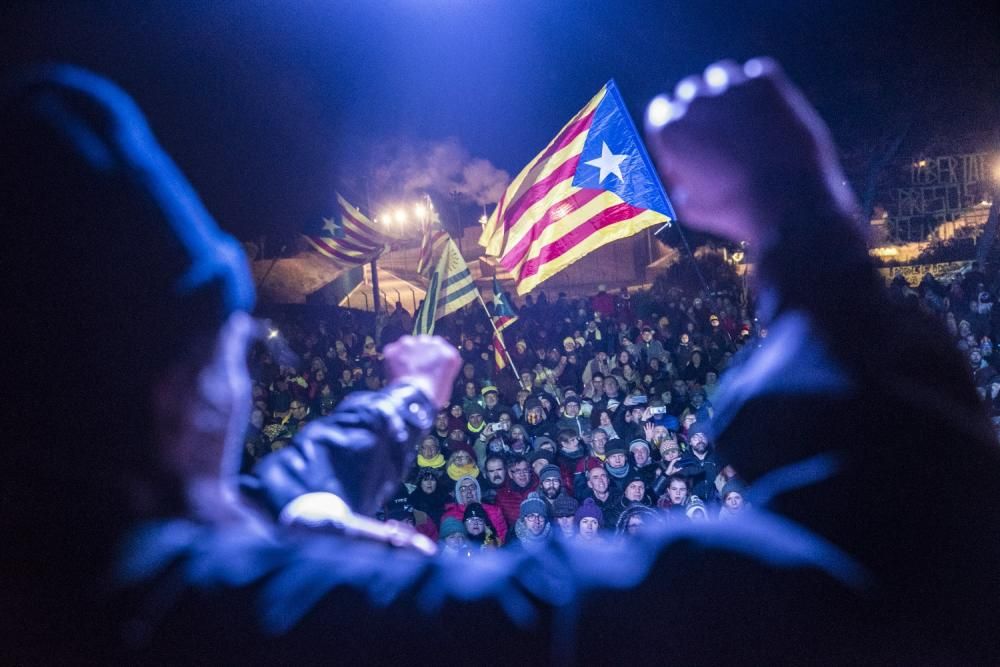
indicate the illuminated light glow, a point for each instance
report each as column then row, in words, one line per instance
column 659, row 112
column 922, row 163
column 420, row 210
column 686, row 90
column 385, row 217
column 717, row 77
column 273, row 333
column 483, row 219
column 996, row 172
column 753, row 68
column 400, row 216
column 887, row 251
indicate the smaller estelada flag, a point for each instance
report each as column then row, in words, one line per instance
column 503, row 317
column 348, row 237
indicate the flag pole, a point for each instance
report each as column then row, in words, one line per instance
column 376, row 297
column 497, row 331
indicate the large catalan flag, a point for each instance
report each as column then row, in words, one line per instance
column 593, row 184
column 503, row 317
column 349, row 238
column 451, row 288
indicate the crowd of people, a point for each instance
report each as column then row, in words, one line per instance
column 605, row 426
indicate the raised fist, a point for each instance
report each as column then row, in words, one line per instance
column 429, row 363
column 739, row 148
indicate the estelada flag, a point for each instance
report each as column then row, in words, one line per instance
column 503, row 317
column 348, row 237
column 593, row 184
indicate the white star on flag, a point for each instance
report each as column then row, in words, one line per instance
column 608, row 163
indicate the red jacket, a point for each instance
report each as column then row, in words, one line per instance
column 492, row 511
column 509, row 499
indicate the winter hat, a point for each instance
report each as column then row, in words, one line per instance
column 564, row 505
column 474, row 510
column 733, row 486
column 544, row 439
column 549, row 471
column 541, row 455
column 590, row 509
column 614, row 446
column 449, row 526
column 571, row 399
column 534, row 505
column 635, row 444
column 399, row 509
column 532, row 402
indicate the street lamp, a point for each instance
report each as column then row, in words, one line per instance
column 400, row 215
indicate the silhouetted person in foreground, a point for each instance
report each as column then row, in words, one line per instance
column 127, row 539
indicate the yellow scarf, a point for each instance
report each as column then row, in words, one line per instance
column 436, row 462
column 458, row 472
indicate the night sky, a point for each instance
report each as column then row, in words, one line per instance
column 261, row 103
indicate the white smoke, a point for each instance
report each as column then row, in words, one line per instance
column 410, row 168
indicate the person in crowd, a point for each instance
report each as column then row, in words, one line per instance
column 428, row 497
column 429, row 453
column 603, row 419
column 600, row 488
column 571, row 419
column 617, row 464
column 589, row 521
column 468, row 491
column 571, row 453
column 495, row 469
column 634, row 519
column 521, row 480
column 680, row 503
column 441, row 430
column 491, row 404
column 532, row 530
column 550, row 484
column 734, row 502
column 461, row 462
column 454, row 542
column 700, row 464
column 564, row 509
column 634, row 492
column 479, row 530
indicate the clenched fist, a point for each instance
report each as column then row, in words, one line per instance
column 740, row 148
column 429, row 363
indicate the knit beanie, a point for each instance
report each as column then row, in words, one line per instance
column 564, row 505
column 590, row 509
column 449, row 526
column 549, row 471
column 534, row 505
column 733, row 486
column 635, row 444
column 541, row 454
